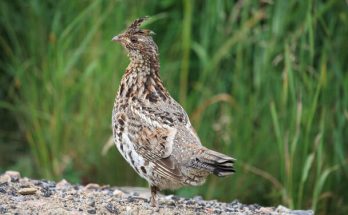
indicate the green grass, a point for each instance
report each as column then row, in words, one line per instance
column 264, row 81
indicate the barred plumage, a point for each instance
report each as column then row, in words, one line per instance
column 151, row 130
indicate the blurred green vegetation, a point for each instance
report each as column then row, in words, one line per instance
column 264, row 81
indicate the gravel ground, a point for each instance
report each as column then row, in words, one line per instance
column 27, row 196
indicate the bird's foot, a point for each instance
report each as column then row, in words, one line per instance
column 154, row 198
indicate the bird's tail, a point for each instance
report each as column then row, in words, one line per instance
column 216, row 163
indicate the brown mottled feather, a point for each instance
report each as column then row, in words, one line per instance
column 151, row 130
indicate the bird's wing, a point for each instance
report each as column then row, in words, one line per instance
column 168, row 113
column 172, row 115
column 154, row 131
column 155, row 143
column 154, row 140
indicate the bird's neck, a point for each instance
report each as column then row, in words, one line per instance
column 141, row 80
column 149, row 63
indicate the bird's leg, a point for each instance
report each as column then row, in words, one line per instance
column 153, row 198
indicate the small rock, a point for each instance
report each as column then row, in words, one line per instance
column 129, row 210
column 46, row 192
column 51, row 184
column 134, row 193
column 5, row 179
column 45, row 184
column 266, row 210
column 105, row 186
column 233, row 210
column 24, row 185
column 14, row 175
column 131, row 199
column 12, row 191
column 234, row 204
column 91, row 202
column 107, row 192
column 112, row 209
column 175, row 198
column 170, row 204
column 118, row 193
column 18, row 198
column 2, row 190
column 91, row 211
column 190, row 202
column 25, row 180
column 92, row 186
column 302, row 212
column 198, row 198
column 27, row 191
column 217, row 211
column 62, row 184
column 283, row 210
column 169, row 197
column 3, row 210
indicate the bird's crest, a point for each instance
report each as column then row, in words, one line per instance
column 135, row 27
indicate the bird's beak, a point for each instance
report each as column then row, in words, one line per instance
column 116, row 39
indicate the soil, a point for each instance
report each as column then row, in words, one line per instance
column 28, row 196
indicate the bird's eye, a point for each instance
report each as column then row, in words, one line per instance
column 133, row 39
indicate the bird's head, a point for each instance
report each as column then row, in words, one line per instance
column 138, row 42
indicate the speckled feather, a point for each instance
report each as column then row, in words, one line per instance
column 151, row 130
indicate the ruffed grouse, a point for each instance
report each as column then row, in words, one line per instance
column 151, row 130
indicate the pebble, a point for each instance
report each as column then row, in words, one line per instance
column 198, row 198
column 112, row 209
column 5, row 179
column 129, row 210
column 18, row 198
column 63, row 184
column 14, row 175
column 46, row 192
column 266, row 210
column 134, row 193
column 45, row 184
column 190, row 202
column 92, row 186
column 91, row 211
column 24, row 185
column 131, row 199
column 217, row 211
column 283, row 210
column 175, row 198
column 2, row 190
column 118, row 193
column 3, row 210
column 91, row 202
column 106, row 186
column 107, row 192
column 27, row 191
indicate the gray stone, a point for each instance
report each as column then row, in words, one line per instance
column 27, row 191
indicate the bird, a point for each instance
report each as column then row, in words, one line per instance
column 151, row 130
